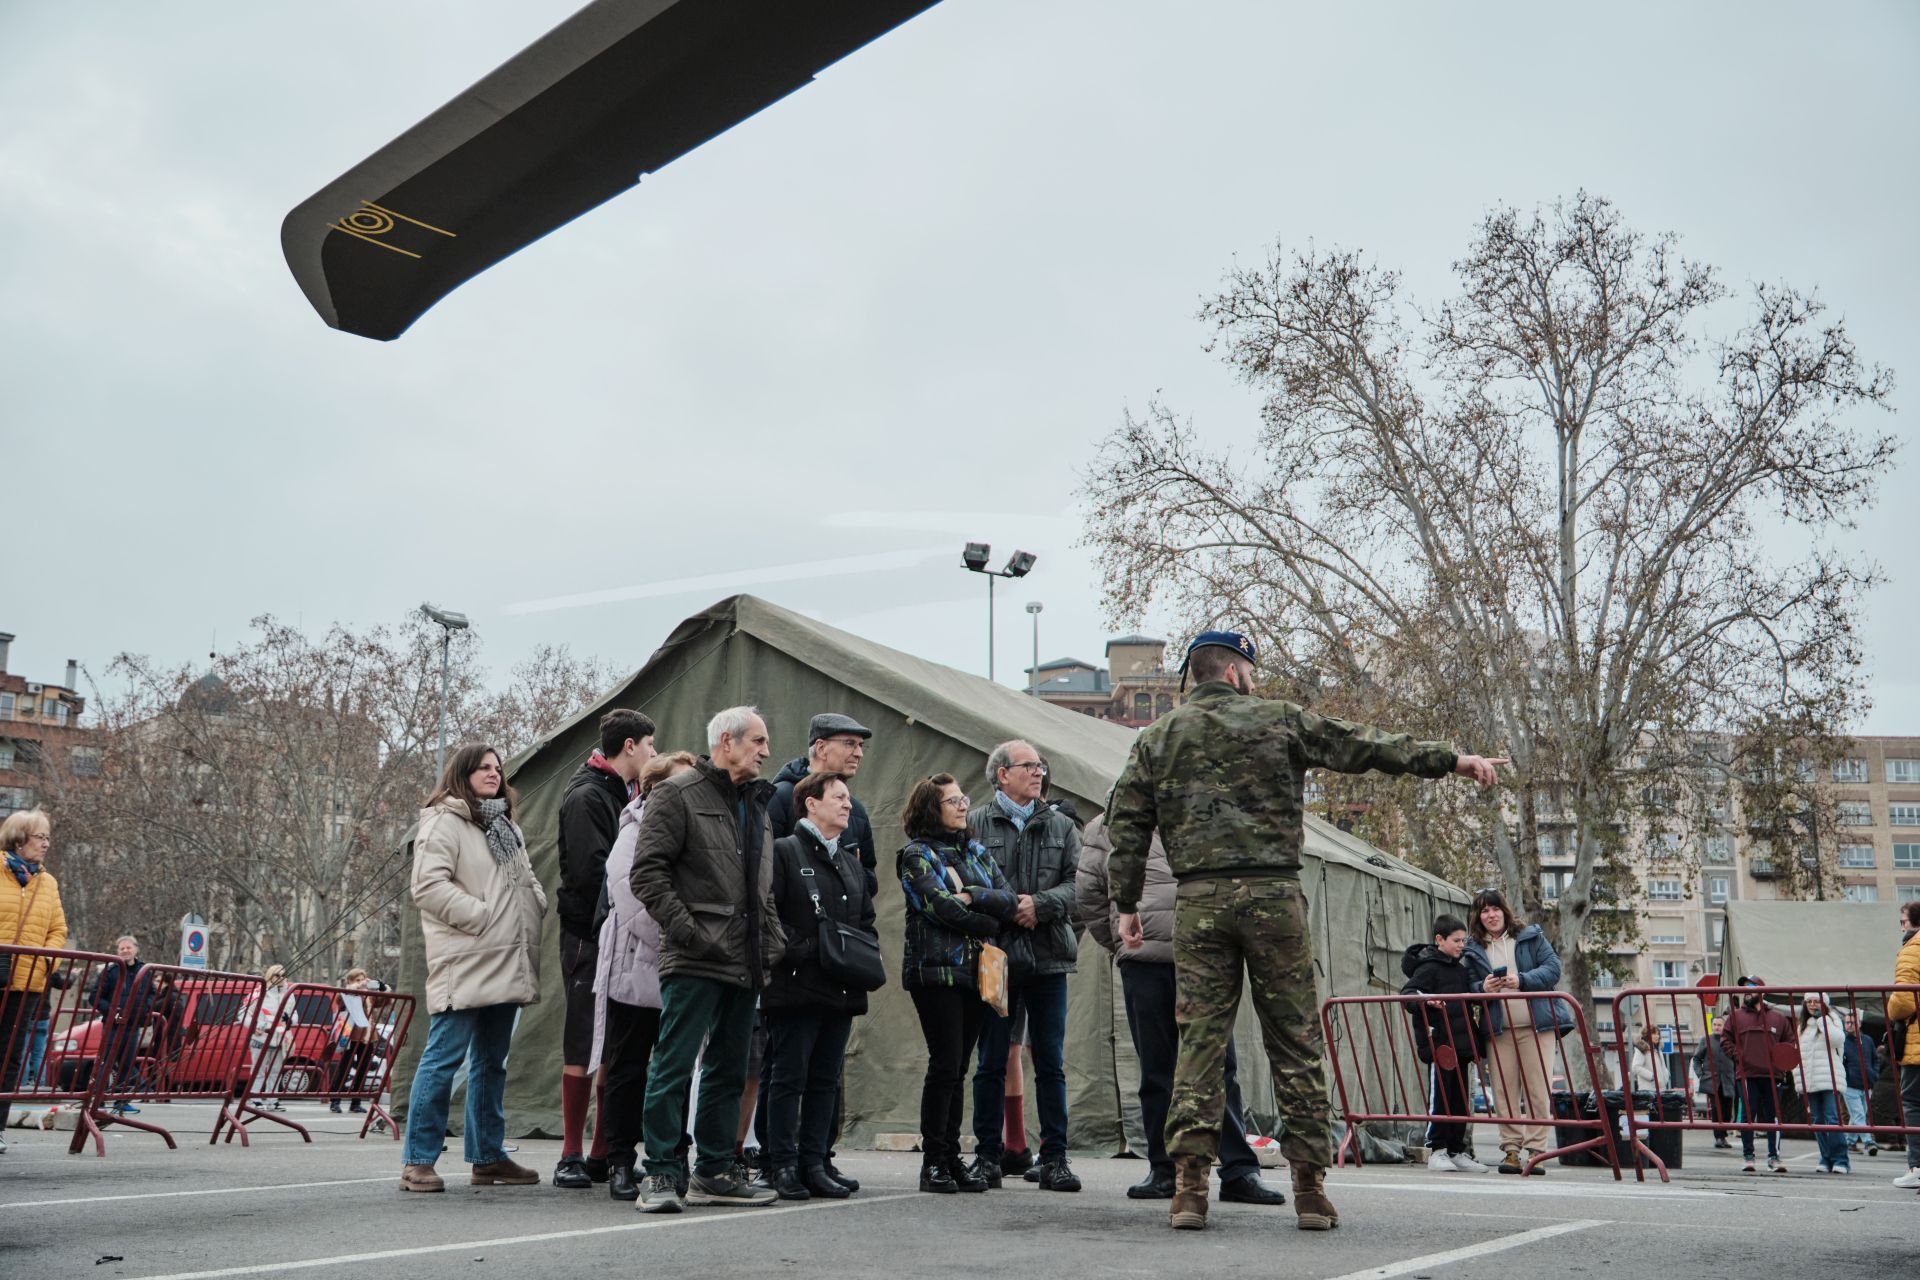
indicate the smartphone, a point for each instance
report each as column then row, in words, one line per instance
column 1501, row 972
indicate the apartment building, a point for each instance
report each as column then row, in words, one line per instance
column 1133, row 689
column 41, row 741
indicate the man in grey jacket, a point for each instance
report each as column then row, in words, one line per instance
column 1038, row 849
column 1146, row 980
column 703, row 868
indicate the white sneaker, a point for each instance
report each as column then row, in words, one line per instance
column 1467, row 1164
column 1441, row 1162
column 1908, row 1180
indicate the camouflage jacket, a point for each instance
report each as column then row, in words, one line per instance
column 1220, row 779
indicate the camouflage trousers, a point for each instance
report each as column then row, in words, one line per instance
column 1220, row 925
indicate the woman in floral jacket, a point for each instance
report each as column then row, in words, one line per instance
column 956, row 898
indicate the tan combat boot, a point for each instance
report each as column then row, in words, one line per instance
column 1312, row 1210
column 420, row 1177
column 1189, row 1210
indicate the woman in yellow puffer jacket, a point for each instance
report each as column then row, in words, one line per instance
column 30, row 916
column 1902, row 1007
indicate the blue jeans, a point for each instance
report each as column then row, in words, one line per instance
column 1823, row 1107
column 1858, row 1113
column 479, row 1038
column 1045, row 1000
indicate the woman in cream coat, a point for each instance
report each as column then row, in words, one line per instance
column 480, row 914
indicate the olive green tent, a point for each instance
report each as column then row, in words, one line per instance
column 926, row 718
column 1821, row 943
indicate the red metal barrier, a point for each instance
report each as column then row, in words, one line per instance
column 1379, row 1077
column 1771, row 1062
column 320, row 1043
column 62, row 1018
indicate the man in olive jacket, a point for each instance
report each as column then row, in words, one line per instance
column 1038, row 849
column 703, row 868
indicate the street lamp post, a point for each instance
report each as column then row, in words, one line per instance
column 1033, row 677
column 450, row 622
column 974, row 560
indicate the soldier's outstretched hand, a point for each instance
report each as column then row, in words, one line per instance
column 1480, row 768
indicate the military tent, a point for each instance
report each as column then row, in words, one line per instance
column 1820, row 943
column 1366, row 905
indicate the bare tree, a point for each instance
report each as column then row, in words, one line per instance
column 1529, row 519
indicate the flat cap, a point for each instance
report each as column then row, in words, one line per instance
column 830, row 724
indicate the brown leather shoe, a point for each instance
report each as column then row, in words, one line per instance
column 504, row 1172
column 1189, row 1209
column 1312, row 1210
column 420, row 1177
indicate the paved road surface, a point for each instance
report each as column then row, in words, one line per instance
column 333, row 1209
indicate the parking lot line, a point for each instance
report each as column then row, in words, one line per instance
column 203, row 1191
column 1499, row 1244
column 501, row 1242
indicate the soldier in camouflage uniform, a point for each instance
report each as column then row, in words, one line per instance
column 1220, row 778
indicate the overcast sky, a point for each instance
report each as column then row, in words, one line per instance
column 958, row 256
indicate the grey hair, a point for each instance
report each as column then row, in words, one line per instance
column 126, row 937
column 732, row 722
column 1001, row 757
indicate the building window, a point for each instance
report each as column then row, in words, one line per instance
column 12, row 798
column 1856, row 855
column 1719, row 888
column 1760, row 866
column 1907, row 771
column 1907, row 892
column 6, row 706
column 1603, row 1024
column 86, row 762
column 1668, row 939
column 1549, row 846
column 1142, row 706
column 1666, row 845
column 1713, row 965
column 1906, row 857
column 6, row 755
column 1904, row 815
column 1665, row 889
column 1719, row 848
column 1850, row 770
column 1857, row 813
column 1717, row 930
column 1604, row 981
column 1669, row 973
column 1550, row 885
column 1860, row 892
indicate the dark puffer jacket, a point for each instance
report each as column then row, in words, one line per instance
column 589, row 824
column 1431, row 971
column 943, row 933
column 859, row 833
column 799, row 980
column 1041, row 860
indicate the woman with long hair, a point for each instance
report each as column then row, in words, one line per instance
column 1506, row 954
column 269, row 1017
column 957, row 898
column 481, row 909
column 1823, row 1074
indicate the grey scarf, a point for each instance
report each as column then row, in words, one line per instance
column 501, row 836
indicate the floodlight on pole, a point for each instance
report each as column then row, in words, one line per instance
column 1033, row 679
column 449, row 623
column 974, row 560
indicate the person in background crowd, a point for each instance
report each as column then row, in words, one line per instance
column 1861, row 1060
column 1901, row 1007
column 1713, row 1068
column 123, row 985
column 352, row 1042
column 269, row 1015
column 589, row 824
column 809, row 1011
column 1823, row 1073
column 481, row 914
column 956, row 899
column 1147, row 986
column 1447, row 1036
column 1037, row 848
column 1750, row 1030
column 1522, row 1048
column 1648, row 1061
column 703, row 868
column 627, row 986
column 30, row 916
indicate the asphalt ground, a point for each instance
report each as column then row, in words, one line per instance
column 334, row 1208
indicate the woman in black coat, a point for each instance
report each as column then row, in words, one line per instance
column 1446, row 1036
column 809, row 1012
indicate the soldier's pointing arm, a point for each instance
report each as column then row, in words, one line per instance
column 1346, row 747
column 1131, row 819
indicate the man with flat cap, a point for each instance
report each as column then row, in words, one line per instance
column 1220, row 779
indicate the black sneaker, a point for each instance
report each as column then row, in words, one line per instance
column 334, row 1106
column 727, row 1189
column 1248, row 1189
column 657, row 1195
column 823, row 1184
column 1152, row 1187
column 937, row 1180
column 1032, row 1174
column 967, row 1177
column 985, row 1169
column 851, row 1184
column 1013, row 1162
column 786, row 1184
column 571, row 1174
column 1056, row 1175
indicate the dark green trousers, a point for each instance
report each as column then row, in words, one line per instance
column 696, row 1011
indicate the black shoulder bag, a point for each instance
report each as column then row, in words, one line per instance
column 850, row 955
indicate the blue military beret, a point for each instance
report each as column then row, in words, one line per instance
column 1233, row 640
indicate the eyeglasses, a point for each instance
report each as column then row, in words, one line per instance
column 852, row 744
column 1033, row 766
column 956, row 802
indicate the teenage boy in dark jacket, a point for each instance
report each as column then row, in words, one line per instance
column 589, row 824
column 1446, row 1036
